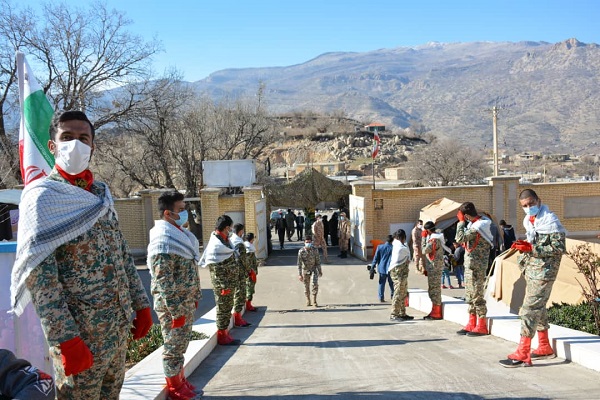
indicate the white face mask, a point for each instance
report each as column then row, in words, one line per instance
column 73, row 156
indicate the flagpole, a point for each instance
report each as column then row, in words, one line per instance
column 373, row 163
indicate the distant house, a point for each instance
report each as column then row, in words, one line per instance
column 375, row 127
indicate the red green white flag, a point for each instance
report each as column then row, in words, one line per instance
column 36, row 114
column 376, row 143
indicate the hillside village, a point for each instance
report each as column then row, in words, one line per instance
column 338, row 145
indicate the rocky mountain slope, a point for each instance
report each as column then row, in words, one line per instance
column 549, row 94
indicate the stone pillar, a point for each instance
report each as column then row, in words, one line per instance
column 209, row 200
column 504, row 198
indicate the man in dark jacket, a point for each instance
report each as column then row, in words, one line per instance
column 20, row 380
column 509, row 234
column 382, row 261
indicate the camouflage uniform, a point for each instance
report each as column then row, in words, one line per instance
column 175, row 288
column 89, row 287
column 243, row 268
column 434, row 250
column 249, row 284
column 319, row 237
column 309, row 263
column 344, row 233
column 539, row 268
column 399, row 276
column 477, row 251
column 417, row 249
column 224, row 275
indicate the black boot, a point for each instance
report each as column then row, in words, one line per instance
column 344, row 254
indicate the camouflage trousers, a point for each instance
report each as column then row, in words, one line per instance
column 250, row 288
column 400, row 278
column 533, row 313
column 176, row 340
column 475, row 286
column 419, row 260
column 434, row 277
column 306, row 275
column 239, row 298
column 344, row 243
column 105, row 333
column 224, row 276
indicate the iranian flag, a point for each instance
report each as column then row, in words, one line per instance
column 36, row 114
column 376, row 143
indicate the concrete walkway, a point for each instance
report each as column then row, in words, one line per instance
column 348, row 347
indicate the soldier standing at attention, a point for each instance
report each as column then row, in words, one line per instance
column 417, row 244
column 473, row 231
column 75, row 266
column 433, row 247
column 309, row 264
column 243, row 272
column 172, row 260
column 539, row 262
column 220, row 259
column 251, row 280
column 344, row 234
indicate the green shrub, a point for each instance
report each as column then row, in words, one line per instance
column 578, row 317
column 138, row 349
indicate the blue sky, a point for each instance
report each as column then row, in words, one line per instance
column 203, row 36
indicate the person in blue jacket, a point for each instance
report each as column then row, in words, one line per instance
column 381, row 261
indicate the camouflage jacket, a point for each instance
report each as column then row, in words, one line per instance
column 434, row 250
column 544, row 260
column 308, row 260
column 175, row 283
column 477, row 249
column 95, row 268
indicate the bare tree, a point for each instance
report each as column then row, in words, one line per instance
column 446, row 163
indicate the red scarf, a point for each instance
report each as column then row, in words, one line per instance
column 532, row 219
column 469, row 249
column 223, row 235
column 431, row 255
column 83, row 179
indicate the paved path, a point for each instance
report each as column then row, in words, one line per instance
column 347, row 348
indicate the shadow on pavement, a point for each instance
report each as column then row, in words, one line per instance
column 344, row 343
column 383, row 395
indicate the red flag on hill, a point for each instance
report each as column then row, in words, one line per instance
column 376, row 143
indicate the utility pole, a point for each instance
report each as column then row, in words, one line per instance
column 495, row 135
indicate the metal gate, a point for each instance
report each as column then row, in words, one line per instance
column 260, row 215
column 357, row 219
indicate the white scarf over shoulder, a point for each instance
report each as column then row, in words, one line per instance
column 545, row 222
column 400, row 255
column 165, row 238
column 484, row 226
column 51, row 213
column 440, row 236
column 250, row 247
column 215, row 252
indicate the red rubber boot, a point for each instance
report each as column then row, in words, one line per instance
column 544, row 349
column 177, row 389
column 249, row 306
column 239, row 321
column 470, row 325
column 521, row 356
column 481, row 328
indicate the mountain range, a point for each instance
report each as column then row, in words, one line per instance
column 547, row 94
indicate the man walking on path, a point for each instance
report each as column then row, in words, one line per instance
column 172, row 260
column 473, row 231
column 74, row 265
column 381, row 260
column 319, row 236
column 290, row 220
column 309, row 266
column 539, row 262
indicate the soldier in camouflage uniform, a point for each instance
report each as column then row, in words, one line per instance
column 398, row 270
column 417, row 242
column 243, row 272
column 309, row 265
column 319, row 235
column 433, row 248
column 172, row 261
column 539, row 262
column 220, row 258
column 85, row 290
column 474, row 231
column 344, row 233
column 251, row 280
